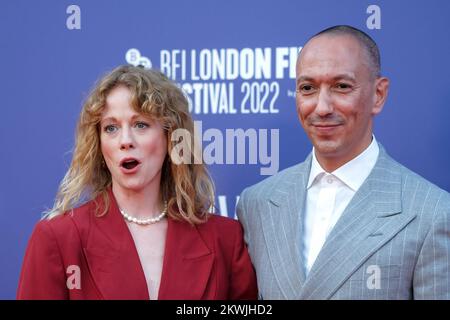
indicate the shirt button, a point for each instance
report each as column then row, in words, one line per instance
column 330, row 180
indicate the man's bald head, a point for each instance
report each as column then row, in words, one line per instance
column 366, row 42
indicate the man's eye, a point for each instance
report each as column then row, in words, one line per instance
column 306, row 88
column 343, row 86
column 141, row 125
column 110, row 129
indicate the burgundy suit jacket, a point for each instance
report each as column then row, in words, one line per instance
column 206, row 261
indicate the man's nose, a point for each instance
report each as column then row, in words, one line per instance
column 324, row 104
column 126, row 139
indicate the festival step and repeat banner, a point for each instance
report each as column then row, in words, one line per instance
column 235, row 61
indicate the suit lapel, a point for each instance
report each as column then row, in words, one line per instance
column 112, row 258
column 372, row 218
column 282, row 229
column 114, row 264
column 188, row 263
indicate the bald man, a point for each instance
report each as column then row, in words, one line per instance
column 349, row 222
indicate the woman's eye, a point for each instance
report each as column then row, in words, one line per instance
column 110, row 129
column 141, row 125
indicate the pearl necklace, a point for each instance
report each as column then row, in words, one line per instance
column 145, row 221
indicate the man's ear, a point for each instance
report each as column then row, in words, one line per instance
column 381, row 92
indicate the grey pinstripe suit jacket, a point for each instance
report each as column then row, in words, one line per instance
column 391, row 242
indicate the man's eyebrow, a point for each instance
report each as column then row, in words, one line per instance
column 304, row 78
column 343, row 76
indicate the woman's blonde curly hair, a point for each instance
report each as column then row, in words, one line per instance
column 186, row 187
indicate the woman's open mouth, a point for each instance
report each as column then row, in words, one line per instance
column 129, row 165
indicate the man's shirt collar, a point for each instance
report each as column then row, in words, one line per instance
column 354, row 172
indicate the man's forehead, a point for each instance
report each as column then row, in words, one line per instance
column 337, row 53
column 330, row 42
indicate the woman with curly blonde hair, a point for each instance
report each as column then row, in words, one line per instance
column 130, row 221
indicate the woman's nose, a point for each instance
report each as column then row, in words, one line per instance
column 126, row 140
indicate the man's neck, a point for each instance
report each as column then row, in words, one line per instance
column 331, row 163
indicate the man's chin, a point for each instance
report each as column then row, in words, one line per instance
column 326, row 148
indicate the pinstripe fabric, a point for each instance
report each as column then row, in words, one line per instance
column 397, row 224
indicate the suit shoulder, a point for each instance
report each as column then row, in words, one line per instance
column 221, row 229
column 412, row 179
column 54, row 235
column 68, row 224
column 418, row 191
column 267, row 185
column 221, row 224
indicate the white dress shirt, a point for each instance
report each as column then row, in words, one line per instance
column 328, row 194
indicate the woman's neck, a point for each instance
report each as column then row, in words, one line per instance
column 145, row 203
